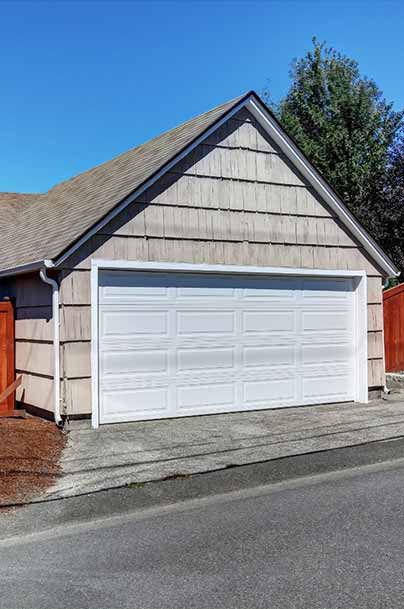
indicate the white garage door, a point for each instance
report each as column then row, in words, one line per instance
column 180, row 344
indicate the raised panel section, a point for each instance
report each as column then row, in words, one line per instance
column 202, row 343
column 205, row 359
column 260, row 322
column 205, row 322
column 269, row 356
column 212, row 396
column 322, row 321
column 333, row 388
column 269, row 392
column 134, row 361
column 326, row 352
column 130, row 323
column 123, row 405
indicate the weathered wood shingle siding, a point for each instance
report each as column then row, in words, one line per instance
column 33, row 338
column 234, row 200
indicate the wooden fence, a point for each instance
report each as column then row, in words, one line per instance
column 7, row 357
column 393, row 311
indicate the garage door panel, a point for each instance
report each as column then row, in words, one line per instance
column 176, row 345
column 332, row 388
column 266, row 356
column 132, row 323
column 337, row 353
column 206, row 395
column 261, row 322
column 133, row 362
column 132, row 404
column 325, row 321
column 259, row 392
column 205, row 358
column 205, row 322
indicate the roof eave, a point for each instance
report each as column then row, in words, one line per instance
column 24, row 268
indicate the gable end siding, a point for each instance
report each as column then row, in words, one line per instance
column 234, row 200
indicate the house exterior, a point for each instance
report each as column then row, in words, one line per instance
column 211, row 269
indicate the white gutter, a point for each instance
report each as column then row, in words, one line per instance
column 56, row 341
column 23, row 268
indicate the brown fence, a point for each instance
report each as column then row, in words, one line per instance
column 393, row 310
column 7, row 358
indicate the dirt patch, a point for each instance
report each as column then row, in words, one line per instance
column 30, row 451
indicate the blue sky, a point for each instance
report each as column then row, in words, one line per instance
column 83, row 81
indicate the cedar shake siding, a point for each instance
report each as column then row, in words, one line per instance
column 234, row 200
column 33, row 339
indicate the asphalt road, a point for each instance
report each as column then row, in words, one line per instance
column 330, row 541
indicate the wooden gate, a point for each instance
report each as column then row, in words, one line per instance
column 393, row 311
column 7, row 357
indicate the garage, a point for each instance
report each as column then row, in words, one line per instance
column 209, row 270
column 172, row 343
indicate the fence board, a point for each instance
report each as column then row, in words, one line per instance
column 393, row 307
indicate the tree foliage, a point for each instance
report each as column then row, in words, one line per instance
column 350, row 133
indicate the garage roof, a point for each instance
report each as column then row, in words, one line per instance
column 47, row 226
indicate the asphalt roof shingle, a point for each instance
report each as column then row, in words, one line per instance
column 42, row 226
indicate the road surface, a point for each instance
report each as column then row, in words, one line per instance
column 335, row 540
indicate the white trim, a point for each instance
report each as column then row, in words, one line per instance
column 23, row 268
column 56, row 344
column 292, row 152
column 361, row 339
column 360, row 313
column 94, row 346
column 318, row 183
column 184, row 267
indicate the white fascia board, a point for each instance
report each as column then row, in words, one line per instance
column 24, row 268
column 320, row 186
column 184, row 267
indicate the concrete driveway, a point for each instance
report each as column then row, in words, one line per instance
column 116, row 455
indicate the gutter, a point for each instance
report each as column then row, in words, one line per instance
column 23, row 268
column 48, row 264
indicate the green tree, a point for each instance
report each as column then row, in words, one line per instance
column 389, row 206
column 344, row 125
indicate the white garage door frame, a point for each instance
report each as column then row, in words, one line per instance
column 360, row 308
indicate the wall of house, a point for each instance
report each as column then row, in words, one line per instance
column 234, row 200
column 33, row 336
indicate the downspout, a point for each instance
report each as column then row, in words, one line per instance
column 386, row 390
column 56, row 341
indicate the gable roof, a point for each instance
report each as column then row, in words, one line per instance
column 48, row 226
